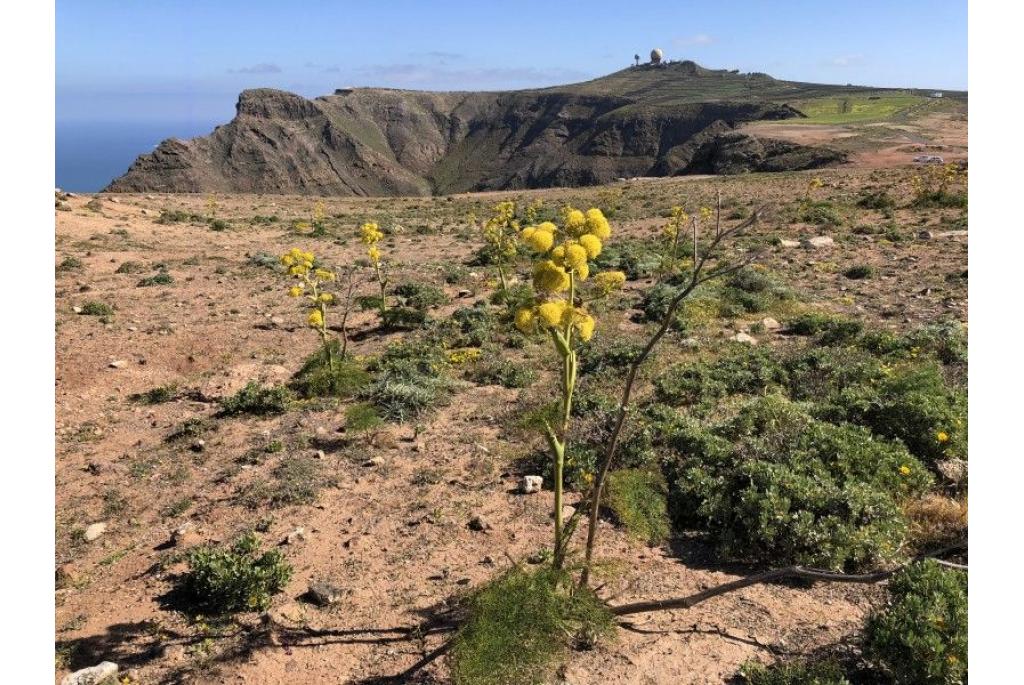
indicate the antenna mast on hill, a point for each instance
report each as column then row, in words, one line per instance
column 636, row 58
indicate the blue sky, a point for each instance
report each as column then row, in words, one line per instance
column 160, row 60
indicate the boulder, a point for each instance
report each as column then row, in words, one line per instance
column 94, row 675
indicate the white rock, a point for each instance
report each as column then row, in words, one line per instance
column 324, row 594
column 118, row 364
column 531, row 484
column 770, row 324
column 95, row 530
column 92, row 675
column 818, row 242
column 374, row 461
column 690, row 343
column 789, row 243
column 742, row 337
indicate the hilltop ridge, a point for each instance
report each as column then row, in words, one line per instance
column 668, row 119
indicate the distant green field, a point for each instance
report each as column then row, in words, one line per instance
column 855, row 108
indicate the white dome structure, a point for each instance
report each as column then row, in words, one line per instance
column 656, row 55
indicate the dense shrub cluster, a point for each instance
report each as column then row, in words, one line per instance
column 775, row 485
column 238, row 578
column 319, row 378
column 409, row 378
column 255, row 398
column 637, row 499
column 519, row 623
column 920, row 636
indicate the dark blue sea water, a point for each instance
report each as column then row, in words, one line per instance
column 92, row 154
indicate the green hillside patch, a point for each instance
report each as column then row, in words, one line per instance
column 850, row 109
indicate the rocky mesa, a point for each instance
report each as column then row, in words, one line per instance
column 653, row 120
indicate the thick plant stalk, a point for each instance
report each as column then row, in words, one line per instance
column 559, row 440
column 344, row 315
column 697, row 278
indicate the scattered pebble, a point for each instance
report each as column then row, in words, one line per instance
column 479, row 523
column 95, row 530
column 742, row 337
column 530, row 484
column 324, row 594
column 94, row 675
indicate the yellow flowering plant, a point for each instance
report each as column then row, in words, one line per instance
column 563, row 256
column 311, row 281
column 370, row 234
column 500, row 234
column 670, row 233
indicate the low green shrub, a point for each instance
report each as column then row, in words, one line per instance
column 409, row 378
column 317, row 378
column 296, row 480
column 830, row 328
column 741, row 369
column 420, row 296
column 616, row 355
column 238, row 578
column 636, row 258
column 824, row 672
column 859, row 272
column 520, row 623
column 876, row 199
column 822, row 213
column 776, row 486
column 913, row 404
column 361, row 417
column 920, row 636
column 161, row 278
column 157, row 395
column 493, row 370
column 257, row 399
column 637, row 498
column 94, row 308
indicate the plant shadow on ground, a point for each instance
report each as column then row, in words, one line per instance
column 139, row 643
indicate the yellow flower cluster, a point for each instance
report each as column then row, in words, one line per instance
column 676, row 221
column 500, row 230
column 370, row 233
column 464, row 355
column 564, row 256
column 300, row 265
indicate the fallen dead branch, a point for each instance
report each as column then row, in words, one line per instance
column 789, row 572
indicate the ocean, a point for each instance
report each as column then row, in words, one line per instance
column 91, row 154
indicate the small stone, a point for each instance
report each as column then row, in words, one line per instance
column 770, row 324
column 94, row 675
column 742, row 337
column 818, row 242
column 296, row 536
column 324, row 594
column 277, row 320
column 118, row 364
column 567, row 512
column 198, row 445
column 530, row 484
column 95, row 530
column 487, row 561
column 925, row 235
column 690, row 343
column 953, row 470
column 420, row 446
column 185, row 534
column 374, row 462
column 789, row 243
column 320, row 454
column 465, row 293
column 76, row 309
column 479, row 523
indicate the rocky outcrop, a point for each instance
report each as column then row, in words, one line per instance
column 391, row 142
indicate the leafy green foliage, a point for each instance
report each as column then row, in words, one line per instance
column 95, row 308
column 296, row 480
column 257, row 399
column 636, row 258
column 520, row 623
column 361, row 417
column 859, row 272
column 741, row 369
column 638, row 500
column 161, row 278
column 775, row 485
column 157, row 395
column 920, row 636
column 317, row 378
column 239, row 578
column 825, row 672
column 493, row 370
column 409, row 378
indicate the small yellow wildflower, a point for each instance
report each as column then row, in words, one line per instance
column 295, row 291
column 324, row 274
column 592, row 244
column 905, row 470
column 585, row 326
column 548, row 277
column 705, row 213
column 370, row 233
column 608, row 281
column 583, row 271
column 540, row 241
column 524, row 320
column 942, row 436
column 316, row 319
column 597, row 224
column 326, row 298
column 574, row 221
column 575, row 256
column 552, row 312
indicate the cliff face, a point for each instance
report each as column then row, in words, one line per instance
column 390, row 142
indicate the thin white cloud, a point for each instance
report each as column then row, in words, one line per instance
column 263, row 68
column 441, row 77
column 846, row 60
column 697, row 39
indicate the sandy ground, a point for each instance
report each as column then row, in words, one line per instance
column 393, row 536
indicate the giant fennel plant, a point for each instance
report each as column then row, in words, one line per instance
column 563, row 262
